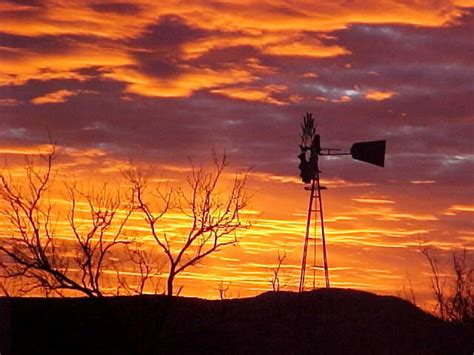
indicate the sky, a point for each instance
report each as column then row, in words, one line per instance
column 160, row 82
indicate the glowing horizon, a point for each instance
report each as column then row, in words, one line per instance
column 115, row 82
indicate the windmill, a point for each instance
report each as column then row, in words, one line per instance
column 372, row 152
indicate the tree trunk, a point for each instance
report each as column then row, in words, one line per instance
column 170, row 281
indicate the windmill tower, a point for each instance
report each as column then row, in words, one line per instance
column 310, row 150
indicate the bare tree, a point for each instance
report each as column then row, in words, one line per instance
column 97, row 231
column 437, row 283
column 275, row 278
column 461, row 306
column 43, row 258
column 408, row 293
column 215, row 217
column 4, row 288
column 222, row 289
column 145, row 269
column 455, row 301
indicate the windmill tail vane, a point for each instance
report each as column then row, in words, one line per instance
column 372, row 152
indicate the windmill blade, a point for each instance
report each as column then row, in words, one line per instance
column 308, row 130
column 372, row 152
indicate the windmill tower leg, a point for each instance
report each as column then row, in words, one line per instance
column 315, row 210
column 307, row 235
column 323, row 234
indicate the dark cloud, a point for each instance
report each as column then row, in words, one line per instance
column 425, row 73
column 432, row 92
column 24, row 10
column 406, row 44
column 117, row 7
column 36, row 88
column 47, row 44
column 37, row 3
column 221, row 57
column 162, row 64
column 93, row 71
column 426, row 118
column 169, row 31
column 38, row 44
column 158, row 49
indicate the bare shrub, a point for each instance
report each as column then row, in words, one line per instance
column 275, row 279
column 453, row 293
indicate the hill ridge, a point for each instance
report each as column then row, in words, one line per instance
column 325, row 321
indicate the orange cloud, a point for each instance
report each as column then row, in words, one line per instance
column 54, row 97
column 254, row 16
column 28, row 65
column 27, row 149
column 9, row 102
column 331, row 183
column 418, row 182
column 454, row 209
column 89, row 153
column 342, row 99
column 372, row 200
column 184, row 85
column 255, row 94
column 298, row 48
column 379, row 95
column 273, row 29
column 268, row 27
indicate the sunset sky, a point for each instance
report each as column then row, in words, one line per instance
column 159, row 82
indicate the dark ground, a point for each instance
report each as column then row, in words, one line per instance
column 326, row 321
